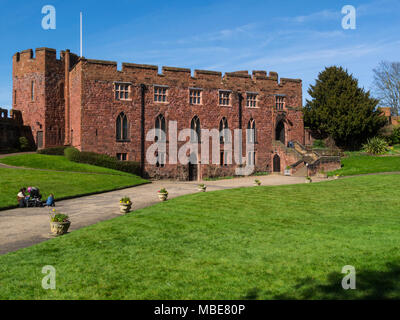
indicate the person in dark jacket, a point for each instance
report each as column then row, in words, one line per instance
column 21, row 197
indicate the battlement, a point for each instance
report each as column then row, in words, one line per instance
column 47, row 55
column 14, row 117
column 28, row 54
column 186, row 74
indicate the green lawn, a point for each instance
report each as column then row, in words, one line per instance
column 357, row 163
column 60, row 163
column 62, row 184
column 254, row 243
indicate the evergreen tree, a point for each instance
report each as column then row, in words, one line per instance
column 341, row 109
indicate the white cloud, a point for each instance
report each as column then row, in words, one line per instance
column 315, row 16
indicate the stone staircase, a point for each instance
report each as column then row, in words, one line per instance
column 300, row 155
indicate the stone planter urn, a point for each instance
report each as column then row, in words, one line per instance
column 336, row 177
column 202, row 188
column 287, row 172
column 59, row 228
column 162, row 196
column 308, row 180
column 125, row 207
column 257, row 183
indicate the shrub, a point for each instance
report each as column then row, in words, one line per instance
column 55, row 151
column 391, row 134
column 102, row 160
column 72, row 154
column 24, row 144
column 376, row 146
column 319, row 144
column 395, row 136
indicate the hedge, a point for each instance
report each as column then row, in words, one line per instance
column 102, row 160
column 55, row 151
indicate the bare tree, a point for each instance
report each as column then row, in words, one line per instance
column 387, row 85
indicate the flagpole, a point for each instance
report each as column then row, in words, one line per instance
column 81, row 36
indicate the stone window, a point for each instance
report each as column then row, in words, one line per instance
column 279, row 102
column 223, row 130
column 195, row 96
column 196, row 130
column 161, row 159
column 251, row 101
column 122, row 91
column 122, row 127
column 251, row 158
column 252, row 133
column 224, row 98
column 61, row 90
column 122, row 156
column 160, row 93
column 223, row 160
column 15, row 96
column 160, row 127
column 33, row 91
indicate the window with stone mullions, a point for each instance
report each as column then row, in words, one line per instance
column 224, row 98
column 160, row 94
column 280, row 102
column 251, row 100
column 121, row 91
column 195, row 96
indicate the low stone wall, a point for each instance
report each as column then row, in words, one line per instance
column 11, row 129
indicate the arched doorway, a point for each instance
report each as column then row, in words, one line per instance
column 280, row 132
column 193, row 167
column 277, row 163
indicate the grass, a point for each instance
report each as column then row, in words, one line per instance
column 60, row 163
column 61, row 184
column 255, row 243
column 358, row 163
column 221, row 178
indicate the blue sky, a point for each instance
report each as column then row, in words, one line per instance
column 297, row 39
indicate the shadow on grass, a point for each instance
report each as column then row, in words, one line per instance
column 370, row 284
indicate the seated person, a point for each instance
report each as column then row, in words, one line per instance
column 50, row 201
column 22, row 198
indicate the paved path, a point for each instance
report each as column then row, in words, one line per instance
column 20, row 228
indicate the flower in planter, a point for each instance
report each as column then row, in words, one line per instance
column 59, row 223
column 163, row 191
column 125, row 200
column 257, row 182
column 58, row 217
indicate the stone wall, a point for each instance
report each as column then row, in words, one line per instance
column 11, row 129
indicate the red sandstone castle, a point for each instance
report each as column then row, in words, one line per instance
column 93, row 106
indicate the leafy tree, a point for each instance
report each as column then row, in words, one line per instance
column 339, row 108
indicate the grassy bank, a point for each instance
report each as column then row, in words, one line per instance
column 60, row 163
column 358, row 163
column 255, row 243
column 62, row 184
